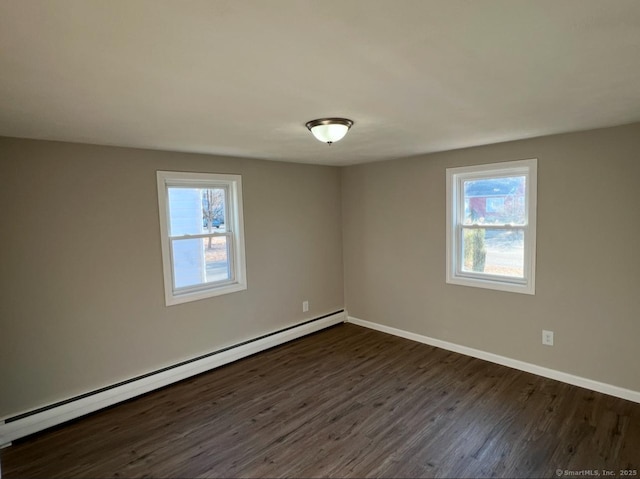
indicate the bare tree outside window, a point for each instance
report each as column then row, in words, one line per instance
column 475, row 252
column 212, row 210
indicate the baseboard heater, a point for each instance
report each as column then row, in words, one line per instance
column 36, row 420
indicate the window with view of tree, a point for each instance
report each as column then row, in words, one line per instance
column 202, row 235
column 491, row 211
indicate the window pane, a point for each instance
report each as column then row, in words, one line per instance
column 498, row 252
column 495, row 201
column 196, row 210
column 200, row 261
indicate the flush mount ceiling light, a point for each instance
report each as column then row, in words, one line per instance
column 329, row 130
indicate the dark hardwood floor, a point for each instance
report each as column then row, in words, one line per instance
column 346, row 402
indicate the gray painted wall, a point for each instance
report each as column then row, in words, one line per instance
column 82, row 299
column 588, row 255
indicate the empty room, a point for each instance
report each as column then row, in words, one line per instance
column 295, row 238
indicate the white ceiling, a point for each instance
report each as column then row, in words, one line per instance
column 241, row 77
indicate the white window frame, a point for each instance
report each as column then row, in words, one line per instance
column 234, row 231
column 455, row 217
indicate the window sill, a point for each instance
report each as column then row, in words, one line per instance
column 174, row 299
column 492, row 284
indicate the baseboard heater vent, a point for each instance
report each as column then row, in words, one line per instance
column 36, row 420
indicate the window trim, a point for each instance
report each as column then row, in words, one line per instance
column 235, row 229
column 455, row 211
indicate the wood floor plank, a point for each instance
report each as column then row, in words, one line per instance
column 344, row 402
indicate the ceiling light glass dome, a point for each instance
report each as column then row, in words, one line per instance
column 329, row 130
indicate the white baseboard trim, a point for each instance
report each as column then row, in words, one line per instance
column 10, row 431
column 504, row 361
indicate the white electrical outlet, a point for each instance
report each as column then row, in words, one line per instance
column 547, row 337
column 305, row 306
